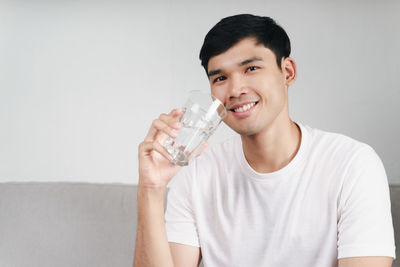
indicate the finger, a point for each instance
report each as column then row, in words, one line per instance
column 173, row 117
column 171, row 120
column 166, row 123
column 176, row 112
column 164, row 128
column 146, row 148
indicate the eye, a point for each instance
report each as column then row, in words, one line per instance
column 219, row 79
column 252, row 68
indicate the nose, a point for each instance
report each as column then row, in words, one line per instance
column 237, row 87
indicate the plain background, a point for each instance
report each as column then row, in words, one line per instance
column 81, row 81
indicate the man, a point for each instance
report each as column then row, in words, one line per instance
column 278, row 194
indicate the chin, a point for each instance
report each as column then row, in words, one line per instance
column 248, row 126
column 245, row 131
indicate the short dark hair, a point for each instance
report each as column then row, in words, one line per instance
column 230, row 30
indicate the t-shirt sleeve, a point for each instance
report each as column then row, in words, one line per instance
column 365, row 226
column 179, row 216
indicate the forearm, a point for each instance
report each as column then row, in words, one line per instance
column 152, row 248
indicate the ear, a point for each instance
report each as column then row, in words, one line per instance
column 289, row 69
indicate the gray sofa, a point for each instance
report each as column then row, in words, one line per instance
column 78, row 224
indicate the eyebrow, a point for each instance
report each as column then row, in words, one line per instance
column 247, row 61
column 244, row 62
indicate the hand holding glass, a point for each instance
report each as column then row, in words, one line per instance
column 201, row 115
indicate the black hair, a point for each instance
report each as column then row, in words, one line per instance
column 231, row 30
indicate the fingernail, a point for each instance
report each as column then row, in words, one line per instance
column 169, row 157
column 174, row 133
column 177, row 125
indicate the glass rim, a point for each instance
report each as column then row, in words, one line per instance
column 213, row 97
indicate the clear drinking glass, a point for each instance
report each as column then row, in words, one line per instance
column 200, row 117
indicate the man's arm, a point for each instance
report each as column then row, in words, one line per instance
column 366, row 262
column 152, row 247
column 155, row 172
column 184, row 255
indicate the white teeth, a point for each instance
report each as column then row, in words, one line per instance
column 245, row 107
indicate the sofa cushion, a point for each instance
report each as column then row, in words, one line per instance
column 67, row 224
column 79, row 224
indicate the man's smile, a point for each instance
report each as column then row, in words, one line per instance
column 243, row 107
column 242, row 110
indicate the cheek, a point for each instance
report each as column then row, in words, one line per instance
column 273, row 91
column 219, row 93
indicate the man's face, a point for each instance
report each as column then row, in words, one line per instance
column 252, row 87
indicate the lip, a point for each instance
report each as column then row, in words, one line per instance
column 244, row 114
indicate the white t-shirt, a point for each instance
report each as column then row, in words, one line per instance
column 331, row 201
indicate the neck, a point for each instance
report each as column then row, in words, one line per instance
column 273, row 148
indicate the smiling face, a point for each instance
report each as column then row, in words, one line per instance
column 252, row 87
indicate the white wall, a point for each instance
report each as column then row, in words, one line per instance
column 81, row 81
